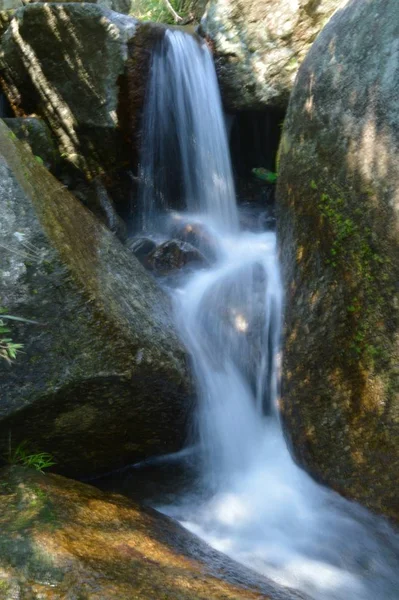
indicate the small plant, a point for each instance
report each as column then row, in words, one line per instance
column 22, row 456
column 8, row 349
column 265, row 175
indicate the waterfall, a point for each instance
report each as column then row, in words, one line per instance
column 251, row 501
column 184, row 155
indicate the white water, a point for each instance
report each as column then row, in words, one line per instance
column 251, row 502
column 184, row 152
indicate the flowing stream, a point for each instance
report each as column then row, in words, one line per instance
column 250, row 500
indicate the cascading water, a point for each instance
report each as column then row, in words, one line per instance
column 251, row 501
column 185, row 154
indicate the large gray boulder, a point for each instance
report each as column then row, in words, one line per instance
column 102, row 378
column 338, row 221
column 259, row 45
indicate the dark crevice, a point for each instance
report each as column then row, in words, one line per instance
column 6, row 111
column 254, row 140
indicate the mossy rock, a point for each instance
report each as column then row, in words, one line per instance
column 102, row 379
column 64, row 539
column 337, row 202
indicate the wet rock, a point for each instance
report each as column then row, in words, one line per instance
column 174, row 255
column 141, row 248
column 64, row 539
column 102, row 380
column 338, row 228
column 259, row 45
column 198, row 236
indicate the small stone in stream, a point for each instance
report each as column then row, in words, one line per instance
column 199, row 237
column 141, row 248
column 174, row 255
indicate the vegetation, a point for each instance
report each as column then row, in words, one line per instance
column 8, row 348
column 23, row 456
column 161, row 11
column 265, row 175
column 351, row 247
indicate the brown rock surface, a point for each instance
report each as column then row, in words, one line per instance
column 65, row 540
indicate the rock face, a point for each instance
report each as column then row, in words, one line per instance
column 80, row 100
column 259, row 45
column 102, row 379
column 93, row 103
column 63, row 539
column 338, row 203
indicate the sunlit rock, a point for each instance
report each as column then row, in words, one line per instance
column 80, row 99
column 259, row 45
column 64, row 539
column 82, row 68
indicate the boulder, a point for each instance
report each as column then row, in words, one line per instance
column 80, row 101
column 338, row 224
column 102, row 379
column 174, row 255
column 92, row 104
column 64, row 539
column 259, row 45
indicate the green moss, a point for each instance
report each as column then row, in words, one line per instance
column 48, row 266
column 350, row 249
